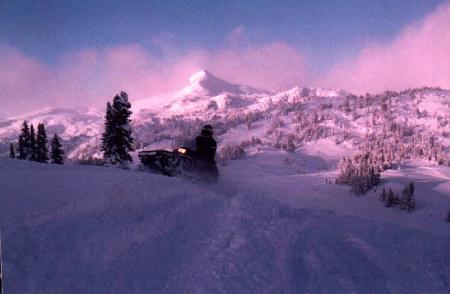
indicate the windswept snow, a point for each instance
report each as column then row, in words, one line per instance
column 263, row 228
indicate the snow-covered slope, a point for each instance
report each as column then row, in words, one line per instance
column 204, row 92
column 264, row 227
column 274, row 223
column 203, row 83
column 67, row 122
column 286, row 120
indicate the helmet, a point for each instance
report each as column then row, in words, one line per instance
column 207, row 131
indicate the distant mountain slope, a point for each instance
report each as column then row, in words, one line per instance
column 238, row 113
column 205, row 91
column 64, row 121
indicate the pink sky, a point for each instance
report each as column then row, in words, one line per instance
column 418, row 56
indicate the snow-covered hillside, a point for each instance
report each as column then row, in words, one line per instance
column 80, row 128
column 275, row 222
column 65, row 121
column 270, row 225
column 204, row 92
column 286, row 120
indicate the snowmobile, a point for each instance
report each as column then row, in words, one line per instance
column 181, row 162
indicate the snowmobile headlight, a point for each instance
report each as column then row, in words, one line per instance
column 182, row 150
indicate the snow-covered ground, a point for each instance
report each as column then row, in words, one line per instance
column 238, row 112
column 270, row 225
column 274, row 223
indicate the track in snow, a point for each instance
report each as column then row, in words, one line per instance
column 146, row 233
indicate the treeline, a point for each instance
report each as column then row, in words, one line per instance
column 405, row 200
column 116, row 140
column 361, row 172
column 32, row 145
column 293, row 121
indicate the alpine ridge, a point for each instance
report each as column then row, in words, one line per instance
column 339, row 116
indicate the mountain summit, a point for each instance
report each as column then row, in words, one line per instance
column 207, row 91
column 205, row 83
column 202, row 88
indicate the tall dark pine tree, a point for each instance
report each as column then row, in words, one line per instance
column 408, row 201
column 107, row 134
column 57, row 152
column 24, row 141
column 117, row 140
column 122, row 139
column 12, row 153
column 41, row 144
column 32, row 155
column 411, row 187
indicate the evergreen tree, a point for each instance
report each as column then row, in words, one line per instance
column 383, row 195
column 360, row 172
column 32, row 155
column 411, row 188
column 392, row 199
column 407, row 201
column 389, row 199
column 405, row 197
column 12, row 154
column 107, row 134
column 116, row 139
column 57, row 152
column 41, row 144
column 24, row 141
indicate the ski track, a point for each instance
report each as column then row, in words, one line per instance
column 283, row 250
column 154, row 237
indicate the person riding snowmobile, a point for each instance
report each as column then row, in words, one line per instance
column 184, row 161
column 206, row 151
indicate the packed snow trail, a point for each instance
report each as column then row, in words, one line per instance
column 75, row 229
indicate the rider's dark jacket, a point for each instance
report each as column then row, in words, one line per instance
column 206, row 146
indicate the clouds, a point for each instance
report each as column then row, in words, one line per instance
column 91, row 77
column 16, row 70
column 273, row 66
column 418, row 56
column 84, row 78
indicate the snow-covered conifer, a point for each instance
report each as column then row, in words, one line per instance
column 32, row 155
column 359, row 172
column 231, row 152
column 411, row 188
column 24, row 141
column 57, row 153
column 116, row 139
column 392, row 199
column 107, row 133
column 41, row 144
column 383, row 195
column 408, row 201
column 12, row 153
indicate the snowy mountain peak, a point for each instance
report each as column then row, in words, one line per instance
column 204, row 82
column 203, row 91
column 201, row 76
